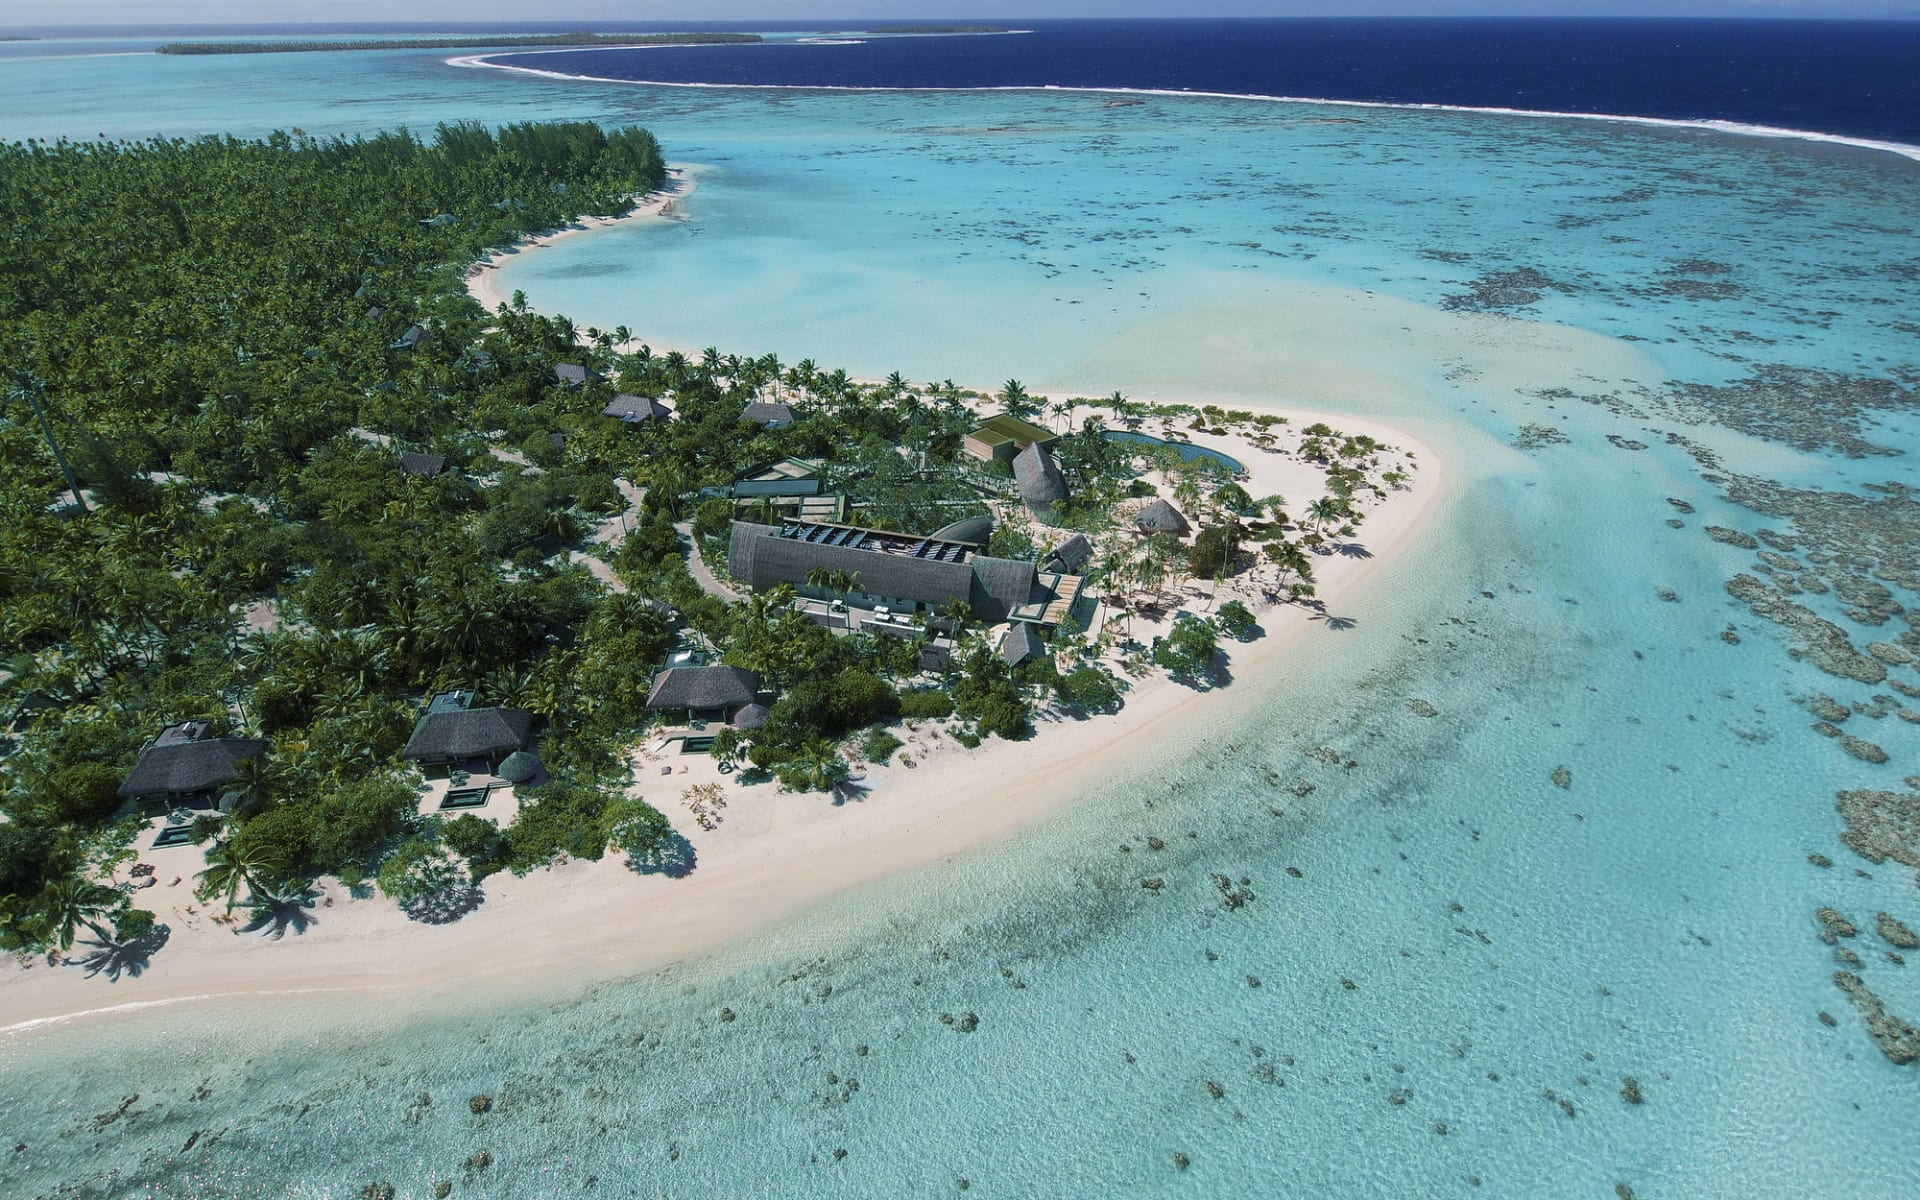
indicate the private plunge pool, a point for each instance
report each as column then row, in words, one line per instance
column 1186, row 450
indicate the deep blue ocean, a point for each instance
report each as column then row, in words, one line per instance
column 1857, row 79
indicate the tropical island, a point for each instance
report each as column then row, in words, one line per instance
column 571, row 41
column 327, row 582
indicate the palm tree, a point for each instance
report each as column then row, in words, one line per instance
column 1015, row 400
column 229, row 865
column 1325, row 511
column 71, row 903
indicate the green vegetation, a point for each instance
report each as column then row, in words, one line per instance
column 210, row 329
column 466, row 43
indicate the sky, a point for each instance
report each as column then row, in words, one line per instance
column 17, row 13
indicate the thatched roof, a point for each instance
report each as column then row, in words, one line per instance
column 753, row 716
column 414, row 335
column 1070, row 555
column 973, row 530
column 1021, row 644
column 473, row 733
column 767, row 412
column 760, row 557
column 183, row 767
column 519, row 767
column 1038, row 478
column 633, row 408
column 571, row 374
column 1161, row 517
column 703, row 687
column 414, row 462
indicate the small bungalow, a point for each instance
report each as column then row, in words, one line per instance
column 1004, row 436
column 426, row 466
column 637, row 410
column 569, row 374
column 752, row 717
column 184, row 766
column 768, row 414
column 1021, row 644
column 704, row 693
column 1161, row 517
column 451, row 732
column 1038, row 479
column 1068, row 557
column 413, row 337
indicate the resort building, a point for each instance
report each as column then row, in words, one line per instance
column 1161, row 517
column 451, row 733
column 569, row 374
column 1038, row 478
column 896, row 574
column 426, row 466
column 415, row 336
column 707, row 694
column 974, row 531
column 637, row 410
column 1004, row 436
column 767, row 414
column 1021, row 644
column 1069, row 556
column 184, row 766
column 791, row 486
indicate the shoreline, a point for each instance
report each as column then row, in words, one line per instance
column 775, row 857
column 1702, row 124
column 683, row 180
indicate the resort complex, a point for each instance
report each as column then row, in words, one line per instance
column 463, row 627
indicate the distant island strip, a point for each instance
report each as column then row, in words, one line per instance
column 515, row 41
column 530, row 40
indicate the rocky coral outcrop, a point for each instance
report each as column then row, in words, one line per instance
column 1863, row 750
column 1822, row 642
column 1899, row 1041
column 1881, row 825
column 1894, row 933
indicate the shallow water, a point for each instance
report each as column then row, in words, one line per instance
column 1653, row 918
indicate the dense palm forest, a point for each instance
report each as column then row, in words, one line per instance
column 231, row 341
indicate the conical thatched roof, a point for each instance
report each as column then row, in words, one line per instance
column 752, row 717
column 1038, row 479
column 519, row 767
column 1161, row 517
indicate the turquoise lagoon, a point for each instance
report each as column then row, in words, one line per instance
column 1510, row 944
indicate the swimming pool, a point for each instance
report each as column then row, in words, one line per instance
column 1186, row 450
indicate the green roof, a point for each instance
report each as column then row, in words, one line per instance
column 1008, row 428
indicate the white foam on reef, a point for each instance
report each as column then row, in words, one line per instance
column 1710, row 125
column 141, row 1005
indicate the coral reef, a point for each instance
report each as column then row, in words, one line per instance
column 1899, row 1041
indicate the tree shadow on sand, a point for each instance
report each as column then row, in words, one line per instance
column 114, row 957
column 675, row 858
column 445, row 906
column 1351, row 550
column 1340, row 624
column 275, row 914
column 847, row 791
